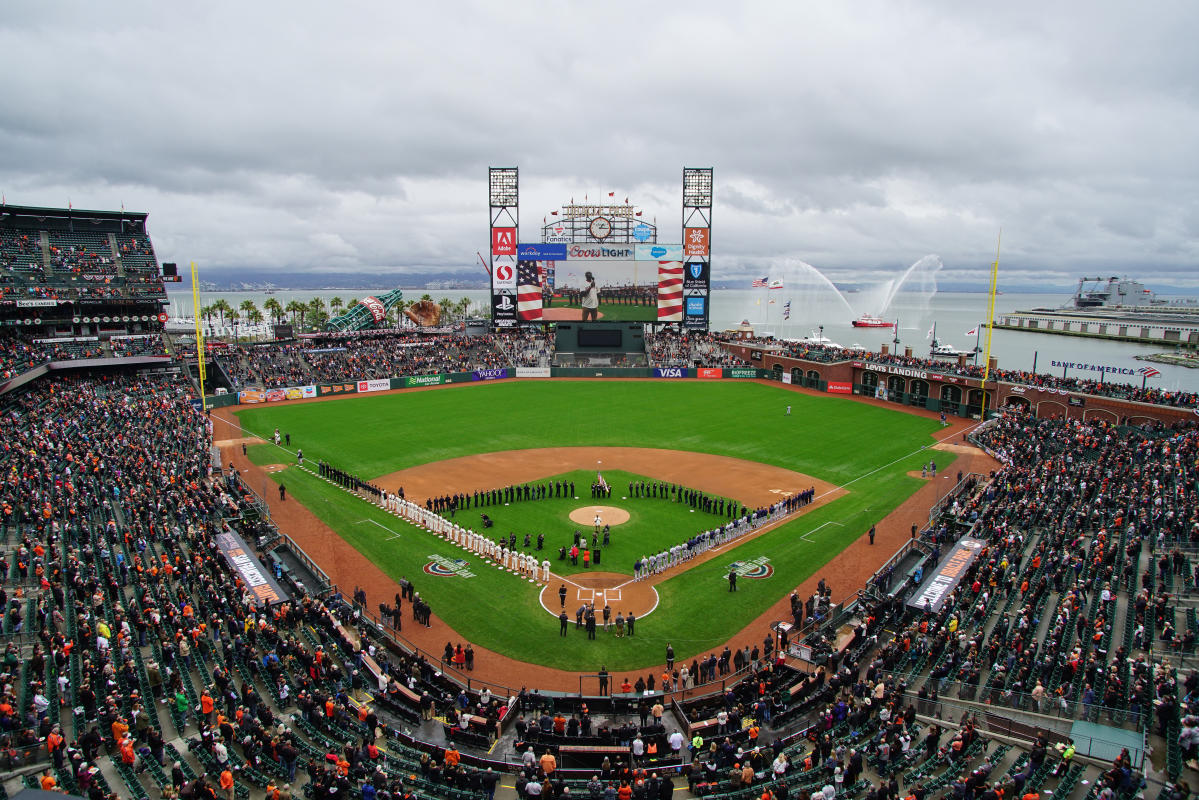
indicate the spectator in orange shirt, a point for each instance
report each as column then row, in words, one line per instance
column 47, row 782
column 119, row 728
column 548, row 763
column 227, row 783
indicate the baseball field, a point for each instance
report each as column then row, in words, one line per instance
column 726, row 439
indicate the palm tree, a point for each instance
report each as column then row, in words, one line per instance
column 447, row 307
column 222, row 308
column 247, row 306
column 316, row 312
column 335, row 305
column 463, row 307
column 233, row 317
column 295, row 307
column 254, row 316
column 353, row 302
column 274, row 308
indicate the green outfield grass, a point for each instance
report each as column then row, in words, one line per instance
column 867, row 447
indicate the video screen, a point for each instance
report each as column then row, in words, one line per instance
column 626, row 290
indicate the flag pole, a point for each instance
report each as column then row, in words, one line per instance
column 990, row 322
column 199, row 334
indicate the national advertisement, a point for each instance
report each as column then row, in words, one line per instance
column 424, row 380
column 256, row 578
column 503, row 307
column 840, row 387
column 489, row 374
column 695, row 276
column 376, row 385
column 786, row 377
column 695, row 241
column 741, row 372
column 658, row 252
column 709, row 372
column 326, row 389
column 532, row 372
column 670, row 372
column 503, row 241
column 597, row 252
column 935, row 590
column 549, row 251
column 250, row 396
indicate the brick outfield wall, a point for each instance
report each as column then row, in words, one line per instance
column 1044, row 402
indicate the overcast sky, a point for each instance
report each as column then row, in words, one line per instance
column 855, row 136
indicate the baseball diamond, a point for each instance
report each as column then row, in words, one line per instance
column 448, row 441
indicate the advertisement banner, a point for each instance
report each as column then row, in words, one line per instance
column 598, row 252
column 642, row 232
column 709, row 372
column 532, row 372
column 275, row 395
column 695, row 276
column 424, row 380
column 741, row 372
column 503, row 307
column 935, row 590
column 541, row 252
column 250, row 396
column 786, row 377
column 253, row 574
column 670, row 372
column 695, row 312
column 840, row 387
column 37, row 303
column 658, row 252
column 503, row 241
column 695, row 241
column 504, row 276
column 489, row 374
column 326, row 389
column 378, row 313
column 376, row 385
column 300, row 392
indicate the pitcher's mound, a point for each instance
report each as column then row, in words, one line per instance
column 609, row 515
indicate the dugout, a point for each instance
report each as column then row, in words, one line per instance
column 600, row 344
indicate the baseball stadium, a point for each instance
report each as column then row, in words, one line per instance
column 584, row 546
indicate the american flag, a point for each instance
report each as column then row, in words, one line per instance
column 670, row 291
column 528, row 291
column 760, row 283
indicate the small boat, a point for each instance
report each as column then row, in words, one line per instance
column 871, row 321
column 815, row 338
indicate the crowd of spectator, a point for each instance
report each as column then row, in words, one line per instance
column 382, row 355
column 117, row 602
column 149, row 344
column 1126, row 391
column 670, row 348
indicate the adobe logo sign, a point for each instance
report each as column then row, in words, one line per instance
column 503, row 241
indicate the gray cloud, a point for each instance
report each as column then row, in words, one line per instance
column 858, row 138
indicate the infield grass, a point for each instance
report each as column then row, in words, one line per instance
column 867, row 448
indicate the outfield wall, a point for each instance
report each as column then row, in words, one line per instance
column 931, row 391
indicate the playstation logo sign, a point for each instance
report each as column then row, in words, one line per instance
column 505, row 303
